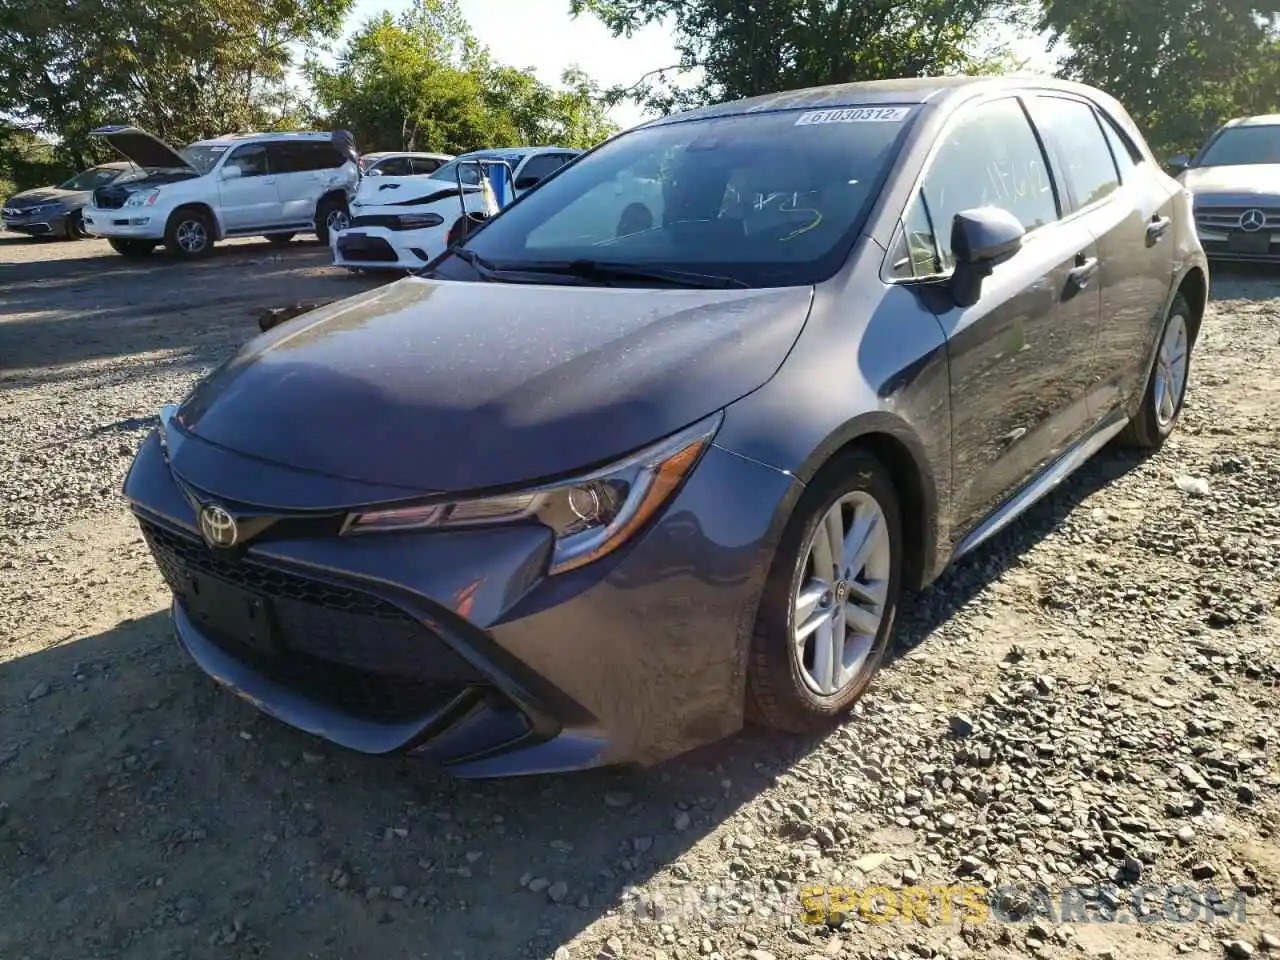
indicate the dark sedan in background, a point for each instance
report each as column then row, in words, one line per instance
column 54, row 212
column 611, row 477
column 1235, row 181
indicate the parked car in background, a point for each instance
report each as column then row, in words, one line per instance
column 1235, row 182
column 399, row 164
column 257, row 184
column 400, row 223
column 56, row 211
column 594, row 494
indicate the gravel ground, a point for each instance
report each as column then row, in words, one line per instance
column 1089, row 702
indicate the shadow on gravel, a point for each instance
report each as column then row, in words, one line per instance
column 151, row 813
column 65, row 311
column 148, row 812
column 925, row 612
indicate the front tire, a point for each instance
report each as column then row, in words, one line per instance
column 75, row 226
column 1166, row 383
column 827, row 611
column 189, row 234
column 133, row 249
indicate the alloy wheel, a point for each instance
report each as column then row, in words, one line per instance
column 840, row 602
column 337, row 220
column 1171, row 370
column 192, row 236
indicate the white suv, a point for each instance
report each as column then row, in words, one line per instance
column 246, row 185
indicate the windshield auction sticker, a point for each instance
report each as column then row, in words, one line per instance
column 854, row 115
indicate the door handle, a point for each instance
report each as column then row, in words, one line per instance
column 1083, row 272
column 1156, row 229
column 268, row 179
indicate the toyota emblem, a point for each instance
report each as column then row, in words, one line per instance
column 218, row 527
column 1251, row 221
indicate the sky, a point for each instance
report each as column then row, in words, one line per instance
column 542, row 34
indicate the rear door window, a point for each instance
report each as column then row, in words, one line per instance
column 1079, row 148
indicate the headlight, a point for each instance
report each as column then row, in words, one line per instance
column 418, row 221
column 591, row 515
column 143, row 198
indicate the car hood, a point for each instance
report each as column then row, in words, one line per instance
column 444, row 386
column 143, row 149
column 39, row 195
column 407, row 191
column 1253, row 178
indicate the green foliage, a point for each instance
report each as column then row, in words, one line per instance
column 749, row 47
column 27, row 161
column 1181, row 67
column 421, row 81
column 181, row 69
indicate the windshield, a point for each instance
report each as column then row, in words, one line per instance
column 203, row 156
column 471, row 171
column 1243, row 145
column 759, row 199
column 93, row 178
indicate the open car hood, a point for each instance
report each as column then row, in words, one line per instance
column 142, row 148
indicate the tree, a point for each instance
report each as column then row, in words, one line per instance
column 750, row 47
column 422, row 81
column 182, row 70
column 1181, row 67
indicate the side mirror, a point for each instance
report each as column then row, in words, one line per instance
column 231, row 171
column 981, row 239
column 527, row 181
column 375, row 172
column 1179, row 162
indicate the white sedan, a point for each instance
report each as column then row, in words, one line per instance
column 401, row 223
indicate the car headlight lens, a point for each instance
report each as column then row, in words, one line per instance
column 143, row 198
column 591, row 516
column 418, row 221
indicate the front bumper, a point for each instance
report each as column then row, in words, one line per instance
column 125, row 223
column 381, row 248
column 37, row 226
column 456, row 647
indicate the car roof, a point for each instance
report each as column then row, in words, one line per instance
column 382, row 154
column 904, row 92
column 518, row 151
column 308, row 135
column 1263, row 120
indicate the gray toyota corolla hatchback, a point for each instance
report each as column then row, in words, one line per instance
column 660, row 447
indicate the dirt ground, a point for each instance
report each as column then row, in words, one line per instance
column 1090, row 702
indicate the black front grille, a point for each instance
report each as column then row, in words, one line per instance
column 371, row 249
column 342, row 647
column 110, row 198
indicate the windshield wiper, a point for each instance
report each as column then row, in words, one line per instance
column 477, row 263
column 600, row 270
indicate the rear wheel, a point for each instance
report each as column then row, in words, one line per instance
column 190, row 234
column 280, row 239
column 827, row 611
column 1166, row 383
column 331, row 217
column 133, row 249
